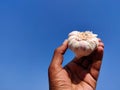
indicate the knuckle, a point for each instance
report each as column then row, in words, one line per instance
column 49, row 69
column 52, row 68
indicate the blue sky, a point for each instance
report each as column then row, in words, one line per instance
column 30, row 30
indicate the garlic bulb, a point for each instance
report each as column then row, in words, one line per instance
column 82, row 43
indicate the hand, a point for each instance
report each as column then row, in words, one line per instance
column 79, row 74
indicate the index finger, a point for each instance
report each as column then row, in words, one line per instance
column 58, row 55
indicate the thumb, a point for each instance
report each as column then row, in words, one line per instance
column 57, row 59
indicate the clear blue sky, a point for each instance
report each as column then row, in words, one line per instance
column 30, row 30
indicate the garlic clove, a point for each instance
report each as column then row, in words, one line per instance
column 82, row 43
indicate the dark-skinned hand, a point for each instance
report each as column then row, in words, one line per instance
column 79, row 74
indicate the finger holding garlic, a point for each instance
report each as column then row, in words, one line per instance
column 82, row 43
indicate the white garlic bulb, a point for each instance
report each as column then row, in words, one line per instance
column 82, row 43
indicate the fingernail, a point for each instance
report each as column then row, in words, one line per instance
column 65, row 41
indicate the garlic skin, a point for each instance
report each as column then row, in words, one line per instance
column 82, row 43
